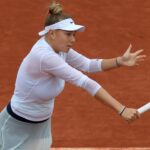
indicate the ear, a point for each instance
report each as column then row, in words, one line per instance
column 52, row 34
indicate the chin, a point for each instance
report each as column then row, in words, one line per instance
column 66, row 50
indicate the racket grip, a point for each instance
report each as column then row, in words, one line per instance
column 144, row 108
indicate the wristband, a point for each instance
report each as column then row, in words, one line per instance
column 122, row 110
column 117, row 63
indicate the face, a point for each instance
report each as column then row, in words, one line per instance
column 63, row 40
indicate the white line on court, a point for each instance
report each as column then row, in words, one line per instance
column 128, row 148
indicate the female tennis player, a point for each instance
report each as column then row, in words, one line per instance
column 25, row 123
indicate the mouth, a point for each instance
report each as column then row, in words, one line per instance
column 69, row 46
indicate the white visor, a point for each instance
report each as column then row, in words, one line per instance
column 67, row 25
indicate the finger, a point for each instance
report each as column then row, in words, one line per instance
column 136, row 64
column 129, row 49
column 138, row 114
column 133, row 118
column 139, row 60
column 130, row 121
column 133, row 114
column 138, row 52
column 140, row 56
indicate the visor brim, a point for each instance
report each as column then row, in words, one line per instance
column 72, row 27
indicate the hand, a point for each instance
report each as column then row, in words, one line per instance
column 130, row 114
column 131, row 59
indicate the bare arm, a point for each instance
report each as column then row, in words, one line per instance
column 129, row 114
column 108, row 64
column 107, row 99
column 127, row 59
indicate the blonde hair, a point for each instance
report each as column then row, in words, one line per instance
column 55, row 14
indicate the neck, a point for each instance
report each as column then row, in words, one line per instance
column 50, row 43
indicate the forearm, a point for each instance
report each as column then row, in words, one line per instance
column 127, row 59
column 108, row 64
column 103, row 96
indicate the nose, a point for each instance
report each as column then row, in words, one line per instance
column 73, row 39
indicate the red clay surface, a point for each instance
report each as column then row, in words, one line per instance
column 79, row 120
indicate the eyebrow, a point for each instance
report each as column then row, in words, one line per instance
column 74, row 32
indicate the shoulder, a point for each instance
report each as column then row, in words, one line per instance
column 42, row 47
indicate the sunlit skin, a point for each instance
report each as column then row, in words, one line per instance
column 61, row 40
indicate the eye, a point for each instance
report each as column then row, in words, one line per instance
column 70, row 33
column 74, row 33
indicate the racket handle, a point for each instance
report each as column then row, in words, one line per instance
column 144, row 108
